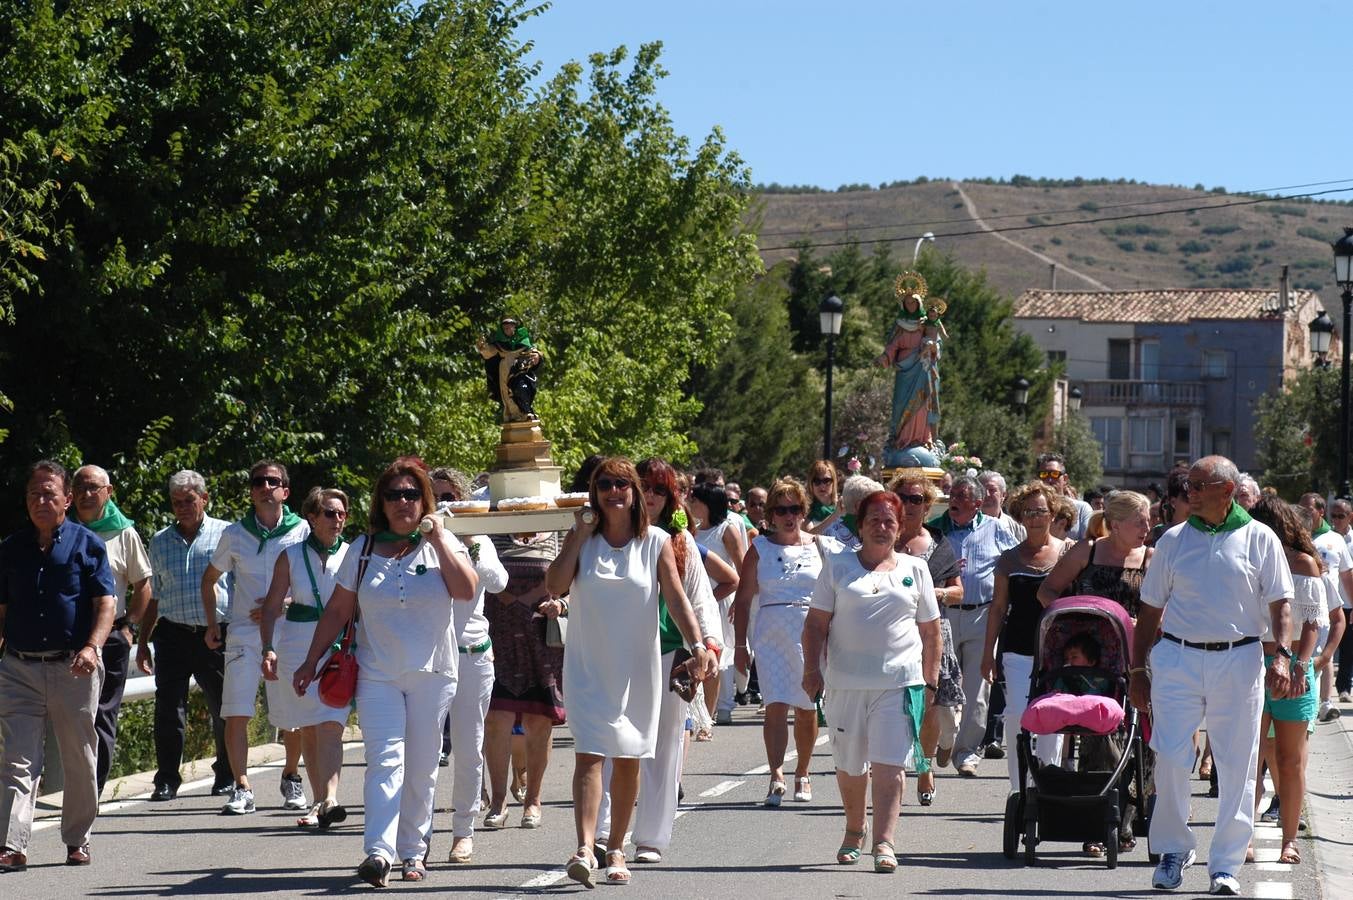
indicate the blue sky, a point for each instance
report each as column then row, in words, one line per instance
column 1245, row 95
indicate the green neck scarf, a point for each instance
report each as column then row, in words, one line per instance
column 320, row 548
column 1236, row 517
column 944, row 524
column 413, row 537
column 820, row 511
column 1323, row 529
column 288, row 521
column 111, row 519
column 520, row 340
column 851, row 522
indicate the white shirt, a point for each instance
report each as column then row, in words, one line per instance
column 470, row 626
column 1217, row 587
column 873, row 642
column 238, row 553
column 129, row 561
column 404, row 622
column 1336, row 557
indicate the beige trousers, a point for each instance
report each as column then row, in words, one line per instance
column 31, row 693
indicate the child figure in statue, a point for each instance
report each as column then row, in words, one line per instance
column 511, row 363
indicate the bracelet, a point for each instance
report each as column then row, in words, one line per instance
column 931, row 687
column 1141, row 669
column 267, row 648
column 811, row 671
column 741, row 647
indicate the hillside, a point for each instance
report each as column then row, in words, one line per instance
column 1234, row 244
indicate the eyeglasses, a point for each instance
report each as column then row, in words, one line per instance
column 607, row 484
column 394, row 495
column 795, row 510
column 1199, row 485
column 822, row 482
column 84, row 487
column 1335, row 515
column 913, row 499
column 1035, row 513
column 447, row 497
column 334, row 513
column 650, row 488
column 268, row 481
column 1050, row 475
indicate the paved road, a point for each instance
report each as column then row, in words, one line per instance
column 725, row 844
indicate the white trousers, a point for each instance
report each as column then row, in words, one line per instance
column 1225, row 689
column 401, row 725
column 1047, row 747
column 658, row 777
column 474, row 688
column 970, row 635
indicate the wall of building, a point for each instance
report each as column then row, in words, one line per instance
column 1086, row 344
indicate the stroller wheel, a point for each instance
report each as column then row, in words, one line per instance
column 1030, row 842
column 1010, row 843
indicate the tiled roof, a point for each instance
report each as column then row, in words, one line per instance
column 1155, row 306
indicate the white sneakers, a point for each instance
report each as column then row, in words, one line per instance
column 293, row 793
column 1170, row 873
column 241, row 802
column 1225, row 884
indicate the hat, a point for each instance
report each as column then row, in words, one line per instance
column 508, row 319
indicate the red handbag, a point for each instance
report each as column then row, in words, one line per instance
column 338, row 678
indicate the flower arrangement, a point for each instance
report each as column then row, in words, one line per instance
column 957, row 459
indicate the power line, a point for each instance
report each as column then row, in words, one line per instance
column 1051, row 212
column 1043, row 225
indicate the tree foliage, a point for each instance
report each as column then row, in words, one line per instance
column 1074, row 439
column 240, row 228
column 1297, row 429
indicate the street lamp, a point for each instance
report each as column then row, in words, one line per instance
column 1019, row 389
column 829, row 316
column 1343, row 275
column 1322, row 329
column 1073, row 398
column 928, row 236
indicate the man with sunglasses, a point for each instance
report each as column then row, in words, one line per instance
column 127, row 558
column 1051, row 469
column 248, row 551
column 977, row 542
column 174, row 621
column 1217, row 584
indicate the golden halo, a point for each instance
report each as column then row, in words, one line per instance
column 938, row 304
column 909, row 283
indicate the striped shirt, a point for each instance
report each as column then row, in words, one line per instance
column 179, row 565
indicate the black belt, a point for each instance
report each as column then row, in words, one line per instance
column 195, row 629
column 773, row 605
column 971, row 606
column 44, row 656
column 1210, row 645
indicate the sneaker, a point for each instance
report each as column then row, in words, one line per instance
column 740, row 698
column 1273, row 813
column 1170, row 873
column 293, row 792
column 1226, row 884
column 1329, row 712
column 1345, row 696
column 241, row 802
column 993, row 751
column 723, row 717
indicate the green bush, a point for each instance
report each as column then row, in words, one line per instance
column 1265, row 245
column 1194, row 246
column 1134, row 230
column 1089, row 206
column 1220, row 229
column 1314, row 234
column 1127, row 246
column 1239, row 263
column 1153, row 247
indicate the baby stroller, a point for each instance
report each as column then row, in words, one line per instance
column 1086, row 805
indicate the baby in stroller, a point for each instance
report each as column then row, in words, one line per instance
column 1079, row 687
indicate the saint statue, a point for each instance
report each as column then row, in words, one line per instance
column 511, row 362
column 913, row 352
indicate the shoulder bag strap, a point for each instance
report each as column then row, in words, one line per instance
column 350, row 635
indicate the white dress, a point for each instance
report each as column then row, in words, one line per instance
column 712, row 540
column 291, row 641
column 612, row 667
column 785, row 576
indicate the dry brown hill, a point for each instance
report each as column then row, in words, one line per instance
column 1196, row 238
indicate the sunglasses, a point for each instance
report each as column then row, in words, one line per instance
column 447, row 497
column 334, row 513
column 913, row 499
column 1050, row 475
column 608, row 484
column 394, row 495
column 658, row 489
column 1199, row 485
column 821, row 482
column 268, row 481
column 795, row 510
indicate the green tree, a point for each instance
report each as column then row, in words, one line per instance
column 275, row 232
column 1076, row 442
column 1297, row 429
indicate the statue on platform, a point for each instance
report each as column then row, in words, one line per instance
column 913, row 352
column 511, row 363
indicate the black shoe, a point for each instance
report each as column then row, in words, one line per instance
column 994, row 751
column 740, row 698
column 223, row 786
column 163, row 792
column 444, row 760
column 753, row 698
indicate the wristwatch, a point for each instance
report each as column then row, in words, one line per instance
column 1284, row 651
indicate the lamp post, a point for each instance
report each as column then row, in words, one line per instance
column 1019, row 391
column 1322, row 330
column 829, row 316
column 1074, row 398
column 928, row 236
column 1343, row 275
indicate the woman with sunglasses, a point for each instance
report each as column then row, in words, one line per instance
column 874, row 612
column 918, row 494
column 617, row 571
column 778, row 575
column 307, row 573
column 403, row 581
column 660, row 775
column 1016, row 610
column 823, row 499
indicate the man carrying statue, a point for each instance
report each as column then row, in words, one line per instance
column 510, row 362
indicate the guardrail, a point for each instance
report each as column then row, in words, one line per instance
column 1124, row 392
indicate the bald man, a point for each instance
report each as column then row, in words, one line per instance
column 127, row 557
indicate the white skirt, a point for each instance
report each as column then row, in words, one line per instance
column 291, row 642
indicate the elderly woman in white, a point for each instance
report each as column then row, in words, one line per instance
column 876, row 614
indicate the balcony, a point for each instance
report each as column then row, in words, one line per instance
column 1123, row 392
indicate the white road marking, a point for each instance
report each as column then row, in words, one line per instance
column 1273, row 890
column 721, row 788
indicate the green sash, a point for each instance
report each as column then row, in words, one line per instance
column 111, row 520
column 288, row 521
column 1236, row 517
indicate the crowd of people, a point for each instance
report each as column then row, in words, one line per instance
column 669, row 602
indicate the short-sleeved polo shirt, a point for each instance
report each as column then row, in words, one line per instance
column 49, row 597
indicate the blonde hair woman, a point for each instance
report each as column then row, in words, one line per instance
column 1112, row 559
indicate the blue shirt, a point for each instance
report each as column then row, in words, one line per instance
column 178, row 566
column 49, row 597
column 978, row 545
